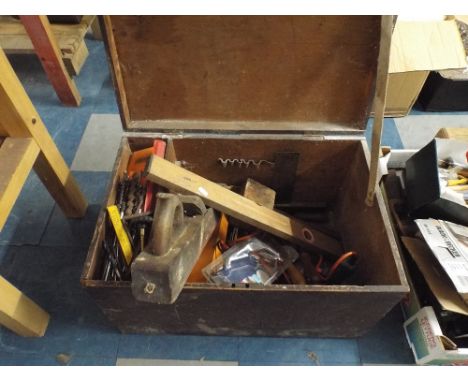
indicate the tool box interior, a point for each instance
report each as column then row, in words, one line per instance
column 235, row 98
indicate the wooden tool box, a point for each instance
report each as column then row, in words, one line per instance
column 251, row 87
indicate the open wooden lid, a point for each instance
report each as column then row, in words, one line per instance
column 255, row 73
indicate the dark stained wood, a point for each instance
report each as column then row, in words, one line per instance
column 316, row 179
column 93, row 261
column 379, row 105
column 367, row 229
column 326, row 311
column 244, row 68
column 313, row 74
column 116, row 72
column 308, row 311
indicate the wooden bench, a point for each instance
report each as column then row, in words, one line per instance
column 70, row 39
column 61, row 48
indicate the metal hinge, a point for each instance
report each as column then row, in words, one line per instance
column 314, row 135
column 332, row 136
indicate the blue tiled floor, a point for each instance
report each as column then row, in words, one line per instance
column 42, row 253
column 65, row 232
column 29, row 216
column 309, row 351
column 180, row 347
column 390, row 136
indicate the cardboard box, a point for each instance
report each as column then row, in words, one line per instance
column 436, row 278
column 447, row 90
column 423, row 331
column 443, row 92
column 430, row 290
column 428, row 343
column 417, row 48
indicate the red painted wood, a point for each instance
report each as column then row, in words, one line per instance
column 46, row 48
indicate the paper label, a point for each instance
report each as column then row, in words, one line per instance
column 448, row 243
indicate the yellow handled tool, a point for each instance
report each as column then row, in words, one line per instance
column 457, row 182
column 120, row 232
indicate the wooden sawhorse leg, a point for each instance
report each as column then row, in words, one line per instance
column 47, row 49
column 17, row 158
column 19, row 313
column 96, row 29
column 20, row 122
column 20, row 119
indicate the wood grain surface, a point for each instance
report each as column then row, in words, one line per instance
column 245, row 68
column 169, row 175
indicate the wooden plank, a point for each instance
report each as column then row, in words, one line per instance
column 174, row 177
column 260, row 194
column 19, row 118
column 305, row 310
column 17, row 157
column 74, row 61
column 117, row 77
column 19, row 313
column 96, row 29
column 70, row 39
column 46, row 47
column 245, row 68
column 15, row 39
column 2, row 130
column 379, row 104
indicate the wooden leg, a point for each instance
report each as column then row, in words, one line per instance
column 46, row 47
column 17, row 157
column 75, row 61
column 96, row 29
column 20, row 119
column 19, row 313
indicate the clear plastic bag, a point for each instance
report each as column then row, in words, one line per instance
column 251, row 261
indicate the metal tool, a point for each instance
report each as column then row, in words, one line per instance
column 121, row 233
column 241, row 162
column 135, row 197
column 181, row 228
column 121, row 196
column 286, row 165
column 114, row 265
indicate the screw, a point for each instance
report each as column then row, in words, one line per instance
column 149, row 288
column 308, row 236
